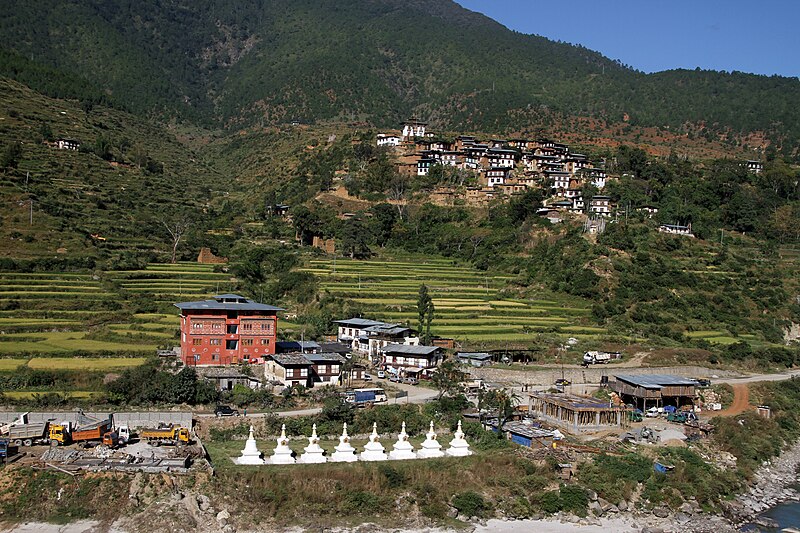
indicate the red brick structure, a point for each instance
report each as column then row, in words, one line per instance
column 226, row 330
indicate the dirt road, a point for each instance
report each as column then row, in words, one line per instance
column 740, row 404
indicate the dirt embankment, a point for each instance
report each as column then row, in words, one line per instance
column 741, row 401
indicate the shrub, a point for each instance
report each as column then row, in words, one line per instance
column 394, row 477
column 361, row 502
column 573, row 499
column 550, row 502
column 470, row 504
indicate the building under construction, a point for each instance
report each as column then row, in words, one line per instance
column 576, row 413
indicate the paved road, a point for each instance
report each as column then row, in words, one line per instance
column 756, row 378
column 416, row 394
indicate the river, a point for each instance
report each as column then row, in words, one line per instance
column 785, row 515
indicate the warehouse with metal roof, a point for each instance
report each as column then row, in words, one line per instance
column 648, row 390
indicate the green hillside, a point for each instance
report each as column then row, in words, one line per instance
column 274, row 61
column 128, row 179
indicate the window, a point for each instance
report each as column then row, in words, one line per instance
column 197, row 325
column 247, row 342
column 303, row 372
column 215, row 357
column 247, row 326
column 197, row 342
column 233, row 329
column 215, row 342
column 231, row 345
column 265, row 342
column 322, row 369
column 334, row 369
column 216, row 325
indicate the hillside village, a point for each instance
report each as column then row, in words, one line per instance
column 500, row 168
column 503, row 167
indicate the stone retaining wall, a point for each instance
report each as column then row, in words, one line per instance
column 133, row 419
column 589, row 375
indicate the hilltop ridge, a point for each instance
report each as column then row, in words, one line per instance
column 266, row 62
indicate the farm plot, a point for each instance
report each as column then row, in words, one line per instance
column 85, row 363
column 65, row 341
column 170, row 282
column 468, row 302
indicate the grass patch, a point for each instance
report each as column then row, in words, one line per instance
column 85, row 363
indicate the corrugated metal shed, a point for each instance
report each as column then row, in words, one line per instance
column 656, row 381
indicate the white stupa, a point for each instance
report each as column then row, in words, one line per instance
column 431, row 447
column 458, row 446
column 373, row 450
column 345, row 453
column 402, row 449
column 313, row 452
column 250, row 454
column 282, row 454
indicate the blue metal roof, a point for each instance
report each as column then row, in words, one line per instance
column 656, row 381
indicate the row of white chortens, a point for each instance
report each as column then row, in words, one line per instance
column 345, row 453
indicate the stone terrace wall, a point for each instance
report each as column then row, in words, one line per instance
column 589, row 375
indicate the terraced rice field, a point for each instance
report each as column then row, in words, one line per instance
column 85, row 363
column 723, row 337
column 468, row 305
column 64, row 341
column 167, row 282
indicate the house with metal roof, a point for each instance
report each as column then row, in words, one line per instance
column 226, row 378
column 406, row 360
column 226, row 329
column 297, row 346
column 306, row 369
column 649, row 390
column 369, row 337
column 474, row 358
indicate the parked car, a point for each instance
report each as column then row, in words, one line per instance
column 563, row 382
column 411, row 381
column 367, row 377
column 225, row 410
column 703, row 382
column 381, row 374
column 394, row 378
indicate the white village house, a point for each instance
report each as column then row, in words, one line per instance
column 411, row 360
column 369, row 337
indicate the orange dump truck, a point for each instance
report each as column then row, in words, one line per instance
column 166, row 435
column 99, row 432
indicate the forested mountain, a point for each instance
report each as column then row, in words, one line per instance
column 249, row 62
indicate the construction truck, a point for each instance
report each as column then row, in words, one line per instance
column 597, row 357
column 97, row 432
column 166, row 435
column 29, row 434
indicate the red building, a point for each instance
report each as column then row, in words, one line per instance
column 226, row 330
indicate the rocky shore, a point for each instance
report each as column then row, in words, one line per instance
column 771, row 486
